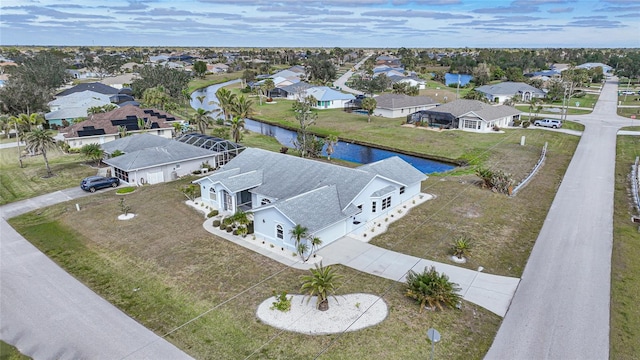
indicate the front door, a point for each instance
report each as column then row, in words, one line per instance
column 228, row 201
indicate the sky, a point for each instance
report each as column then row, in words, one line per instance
column 328, row 23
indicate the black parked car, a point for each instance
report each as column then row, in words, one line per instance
column 93, row 183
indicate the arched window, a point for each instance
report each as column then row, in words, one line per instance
column 279, row 232
column 212, row 194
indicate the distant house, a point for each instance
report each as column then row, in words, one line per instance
column 468, row 115
column 94, row 86
column 499, row 93
column 151, row 159
column 82, row 74
column 74, row 106
column 605, row 68
column 400, row 105
column 410, row 80
column 120, row 81
column 331, row 201
column 291, row 92
column 106, row 127
column 328, row 98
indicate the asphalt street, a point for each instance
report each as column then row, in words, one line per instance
column 561, row 307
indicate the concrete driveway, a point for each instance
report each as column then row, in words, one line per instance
column 561, row 307
column 48, row 314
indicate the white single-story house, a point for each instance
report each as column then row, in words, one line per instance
column 74, row 106
column 105, row 127
column 120, row 81
column 468, row 115
column 328, row 98
column 401, row 105
column 153, row 159
column 331, row 201
column 291, row 92
column 499, row 93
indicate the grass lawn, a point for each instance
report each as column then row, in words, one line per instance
column 22, row 183
column 628, row 112
column 212, row 79
column 182, row 271
column 625, row 268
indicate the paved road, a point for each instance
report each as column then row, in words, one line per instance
column 48, row 314
column 341, row 82
column 561, row 307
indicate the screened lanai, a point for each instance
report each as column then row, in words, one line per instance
column 226, row 149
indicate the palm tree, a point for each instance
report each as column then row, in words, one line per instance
column 298, row 233
column 237, row 125
column 202, row 119
column 40, row 140
column 92, row 152
column 268, row 86
column 432, row 288
column 122, row 131
column 461, row 247
column 332, row 140
column 369, row 104
column 242, row 107
column 225, row 101
column 322, row 283
column 533, row 102
column 315, row 243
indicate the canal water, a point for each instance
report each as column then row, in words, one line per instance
column 356, row 153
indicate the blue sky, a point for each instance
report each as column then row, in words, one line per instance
column 330, row 23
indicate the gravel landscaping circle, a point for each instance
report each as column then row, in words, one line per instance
column 350, row 312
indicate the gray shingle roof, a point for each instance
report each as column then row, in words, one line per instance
column 509, row 88
column 133, row 143
column 485, row 111
column 172, row 152
column 243, row 181
column 325, row 210
column 399, row 101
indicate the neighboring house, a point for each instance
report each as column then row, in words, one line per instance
column 291, row 92
column 94, row 86
column 499, row 93
column 104, row 127
column 153, row 159
column 82, row 74
column 331, row 201
column 328, row 98
column 605, row 68
column 400, row 105
column 411, row 80
column 120, row 81
column 469, row 115
column 74, row 106
column 217, row 68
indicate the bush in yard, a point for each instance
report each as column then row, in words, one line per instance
column 234, row 232
column 461, row 247
column 432, row 288
column 213, row 213
column 282, row 303
column 322, row 282
column 216, row 223
column 497, row 181
column 229, row 228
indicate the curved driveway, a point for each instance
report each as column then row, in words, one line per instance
column 48, row 314
column 561, row 307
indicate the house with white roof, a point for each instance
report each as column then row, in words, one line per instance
column 74, row 106
column 499, row 93
column 328, row 98
column 331, row 201
column 468, row 115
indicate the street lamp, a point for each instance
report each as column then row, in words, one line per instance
column 434, row 336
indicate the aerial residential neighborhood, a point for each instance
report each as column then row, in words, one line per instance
column 334, row 180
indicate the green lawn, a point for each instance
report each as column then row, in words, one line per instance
column 198, row 83
column 625, row 271
column 22, row 183
column 628, row 112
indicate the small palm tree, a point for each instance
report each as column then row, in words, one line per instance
column 315, row 243
column 461, row 247
column 332, row 140
column 202, row 118
column 92, row 152
column 432, row 288
column 242, row 107
column 298, row 233
column 39, row 140
column 237, row 125
column 225, row 101
column 370, row 105
column 322, row 283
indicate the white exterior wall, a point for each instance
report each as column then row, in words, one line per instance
column 400, row 113
column 265, row 222
column 78, row 142
column 333, row 104
column 144, row 176
column 331, row 233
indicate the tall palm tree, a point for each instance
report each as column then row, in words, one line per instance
column 533, row 102
column 322, row 283
column 39, row 140
column 315, row 243
column 237, row 125
column 268, row 86
column 225, row 101
column 242, row 107
column 332, row 140
column 298, row 233
column 369, row 104
column 202, row 118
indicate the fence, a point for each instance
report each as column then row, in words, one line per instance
column 635, row 183
column 524, row 182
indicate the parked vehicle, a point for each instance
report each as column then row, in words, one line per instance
column 552, row 123
column 93, row 183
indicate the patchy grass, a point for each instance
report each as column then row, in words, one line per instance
column 212, row 79
column 166, row 274
column 628, row 112
column 502, row 229
column 625, row 268
column 22, row 183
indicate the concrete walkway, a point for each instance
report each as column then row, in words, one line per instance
column 48, row 314
column 492, row 292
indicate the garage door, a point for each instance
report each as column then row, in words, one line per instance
column 155, row 177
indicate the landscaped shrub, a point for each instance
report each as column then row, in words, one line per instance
column 497, row 181
column 282, row 303
column 196, row 172
column 432, row 288
column 229, row 228
column 234, row 232
column 250, row 228
column 216, row 223
column 213, row 213
column 526, row 124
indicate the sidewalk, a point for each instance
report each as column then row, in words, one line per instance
column 493, row 292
